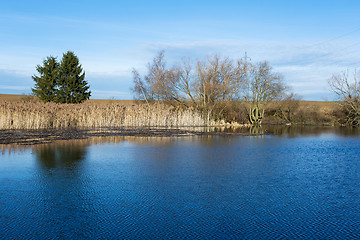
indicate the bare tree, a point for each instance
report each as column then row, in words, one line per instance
column 207, row 86
column 159, row 84
column 287, row 107
column 151, row 86
column 214, row 82
column 348, row 92
column 264, row 86
column 139, row 88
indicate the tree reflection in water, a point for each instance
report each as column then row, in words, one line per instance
column 60, row 155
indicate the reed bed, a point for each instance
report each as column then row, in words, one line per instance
column 38, row 115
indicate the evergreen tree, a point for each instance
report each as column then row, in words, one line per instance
column 72, row 87
column 45, row 84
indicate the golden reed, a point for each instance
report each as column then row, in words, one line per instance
column 38, row 115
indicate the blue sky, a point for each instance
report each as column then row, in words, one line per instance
column 306, row 41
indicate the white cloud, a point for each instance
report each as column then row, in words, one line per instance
column 18, row 66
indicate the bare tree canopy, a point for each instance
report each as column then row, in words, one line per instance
column 347, row 88
column 154, row 85
column 206, row 85
column 209, row 85
column 264, row 86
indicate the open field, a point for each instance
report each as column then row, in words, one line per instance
column 14, row 98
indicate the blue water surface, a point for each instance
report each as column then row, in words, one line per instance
column 209, row 187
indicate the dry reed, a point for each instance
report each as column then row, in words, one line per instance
column 37, row 115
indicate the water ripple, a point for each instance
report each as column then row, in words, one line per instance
column 266, row 188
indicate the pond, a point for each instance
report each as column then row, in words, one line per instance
column 292, row 183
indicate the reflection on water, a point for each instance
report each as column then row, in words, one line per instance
column 60, row 155
column 299, row 183
column 297, row 131
column 75, row 148
column 284, row 131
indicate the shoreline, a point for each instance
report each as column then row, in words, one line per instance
column 42, row 136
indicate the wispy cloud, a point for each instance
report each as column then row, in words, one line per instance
column 104, row 94
column 15, row 88
column 305, row 66
column 110, row 44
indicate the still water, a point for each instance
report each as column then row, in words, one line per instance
column 286, row 185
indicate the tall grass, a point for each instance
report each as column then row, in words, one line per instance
column 37, row 115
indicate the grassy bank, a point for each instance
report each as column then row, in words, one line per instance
column 323, row 113
column 37, row 115
column 319, row 113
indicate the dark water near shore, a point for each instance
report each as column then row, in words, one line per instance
column 303, row 183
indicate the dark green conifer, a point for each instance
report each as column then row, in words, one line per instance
column 45, row 84
column 72, row 87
